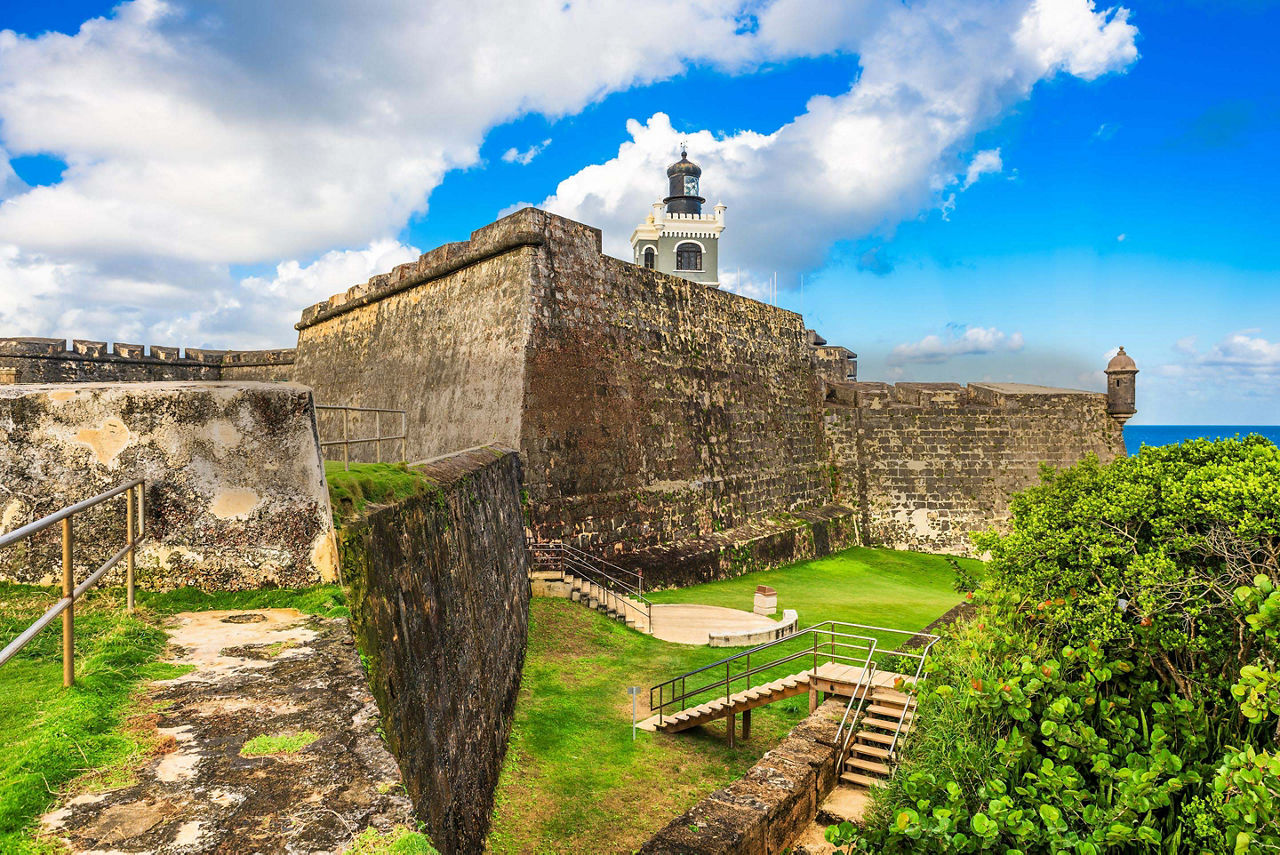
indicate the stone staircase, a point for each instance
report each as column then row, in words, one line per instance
column 872, row 752
column 560, row 570
column 619, row 607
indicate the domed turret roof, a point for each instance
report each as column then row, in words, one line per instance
column 1122, row 362
column 684, row 166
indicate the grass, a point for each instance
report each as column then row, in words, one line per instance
column 573, row 780
column 280, row 743
column 397, row 841
column 57, row 739
column 371, row 484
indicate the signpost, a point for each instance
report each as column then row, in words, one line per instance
column 633, row 691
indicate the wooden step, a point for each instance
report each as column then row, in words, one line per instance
column 860, row 780
column 886, row 724
column 854, row 764
column 889, row 712
column 891, row 696
column 870, row 751
column 873, row 736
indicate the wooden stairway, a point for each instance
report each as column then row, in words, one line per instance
column 739, row 702
column 617, row 606
column 869, row 761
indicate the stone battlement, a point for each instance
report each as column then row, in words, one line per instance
column 948, row 396
column 53, row 360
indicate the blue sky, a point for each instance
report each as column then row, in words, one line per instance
column 1132, row 201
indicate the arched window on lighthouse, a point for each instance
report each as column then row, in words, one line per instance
column 688, row 257
column 649, row 258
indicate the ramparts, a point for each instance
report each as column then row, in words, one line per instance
column 51, row 360
column 649, row 410
column 440, row 601
column 235, row 488
column 660, row 420
column 928, row 463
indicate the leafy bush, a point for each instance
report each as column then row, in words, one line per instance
column 1117, row 689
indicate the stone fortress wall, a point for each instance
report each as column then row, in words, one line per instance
column 235, row 487
column 660, row 422
column 51, row 360
column 665, row 423
column 928, row 463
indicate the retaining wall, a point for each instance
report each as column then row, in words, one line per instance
column 235, row 492
column 440, row 604
column 766, row 809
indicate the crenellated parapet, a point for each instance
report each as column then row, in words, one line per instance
column 54, row 360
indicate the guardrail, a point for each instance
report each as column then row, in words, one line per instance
column 378, row 438
column 823, row 637
column 929, row 640
column 627, row 584
column 134, row 534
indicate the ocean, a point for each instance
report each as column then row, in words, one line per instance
column 1135, row 436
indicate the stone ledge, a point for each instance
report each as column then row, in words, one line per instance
column 769, row 806
column 748, row 637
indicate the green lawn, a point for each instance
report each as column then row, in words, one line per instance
column 574, row 781
column 51, row 737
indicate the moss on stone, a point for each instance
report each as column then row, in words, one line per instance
column 350, row 491
column 281, row 743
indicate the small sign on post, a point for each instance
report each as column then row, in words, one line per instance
column 633, row 691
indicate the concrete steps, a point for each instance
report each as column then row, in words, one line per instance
column 619, row 607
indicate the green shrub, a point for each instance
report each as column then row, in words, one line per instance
column 1117, row 689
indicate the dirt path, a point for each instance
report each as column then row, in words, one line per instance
column 267, row 673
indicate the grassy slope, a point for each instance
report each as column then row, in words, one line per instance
column 575, row 782
column 50, row 736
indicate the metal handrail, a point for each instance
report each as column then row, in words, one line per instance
column 135, row 533
column 631, row 596
column 346, row 442
column 860, row 694
column 911, row 698
column 682, row 694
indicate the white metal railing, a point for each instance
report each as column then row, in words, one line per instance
column 134, row 534
column 627, row 585
column 377, row 439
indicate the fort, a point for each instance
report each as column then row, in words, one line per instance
column 635, row 411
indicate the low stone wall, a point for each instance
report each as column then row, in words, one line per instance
column 440, row 604
column 769, row 807
column 747, row 637
column 51, row 360
column 761, row 545
column 235, row 488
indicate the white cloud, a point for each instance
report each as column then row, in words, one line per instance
column 196, row 138
column 933, row 75
column 1120, row 238
column 963, row 341
column 515, row 155
column 985, row 161
column 1242, row 365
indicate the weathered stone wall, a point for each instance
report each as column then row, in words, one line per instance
column 442, row 338
column 440, row 602
column 658, row 410
column 649, row 409
column 235, row 488
column 50, row 360
column 766, row 809
column 929, row 463
column 660, row 420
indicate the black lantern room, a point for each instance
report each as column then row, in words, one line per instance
column 683, row 177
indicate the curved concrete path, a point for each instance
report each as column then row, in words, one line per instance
column 684, row 623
